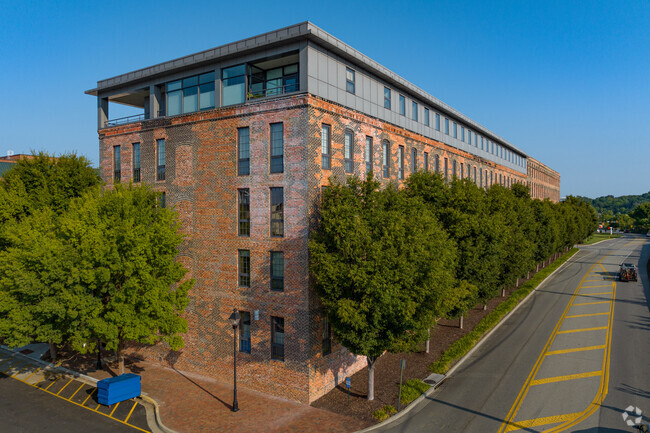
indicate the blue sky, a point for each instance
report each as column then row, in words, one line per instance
column 568, row 82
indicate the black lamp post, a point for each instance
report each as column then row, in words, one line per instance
column 234, row 318
column 99, row 355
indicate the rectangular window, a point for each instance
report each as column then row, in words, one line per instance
column 454, row 172
column 426, row 116
column 414, row 160
column 277, row 338
column 243, row 152
column 245, row 332
column 368, row 155
column 244, row 268
column 348, row 151
column 277, row 271
column 480, row 177
column 455, row 130
column 469, row 171
column 163, row 199
column 437, row 163
column 469, row 136
column 462, row 133
column 426, row 162
column 244, row 212
column 462, row 170
column 190, row 94
column 326, row 336
column 277, row 147
column 277, row 212
column 117, row 164
column 402, row 105
column 415, row 111
column 387, row 98
column 233, row 84
column 136, row 162
column 326, row 147
column 160, row 150
column 349, row 80
column 400, row 162
column 437, row 121
column 384, row 158
column 446, row 175
column 475, row 175
column 446, row 126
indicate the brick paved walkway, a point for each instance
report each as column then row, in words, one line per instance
column 194, row 404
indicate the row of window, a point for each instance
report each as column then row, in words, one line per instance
column 135, row 152
column 277, row 211
column 276, row 269
column 276, row 150
column 459, row 131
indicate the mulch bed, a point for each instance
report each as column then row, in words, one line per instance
column 387, row 371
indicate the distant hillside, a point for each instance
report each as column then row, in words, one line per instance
column 623, row 204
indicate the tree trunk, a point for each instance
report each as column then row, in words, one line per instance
column 52, row 351
column 461, row 321
column 426, row 348
column 485, row 306
column 371, row 376
column 537, row 268
column 503, row 292
column 120, row 356
column 517, row 285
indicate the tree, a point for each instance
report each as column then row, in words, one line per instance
column 382, row 266
column 641, row 216
column 460, row 299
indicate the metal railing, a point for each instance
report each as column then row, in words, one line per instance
column 125, row 120
column 272, row 91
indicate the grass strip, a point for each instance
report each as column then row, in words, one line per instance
column 412, row 389
column 464, row 344
column 597, row 237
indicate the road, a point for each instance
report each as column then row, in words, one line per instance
column 572, row 358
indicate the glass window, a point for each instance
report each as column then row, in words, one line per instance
column 446, row 175
column 400, row 162
column 368, row 155
column 117, row 164
column 243, row 152
column 136, row 162
column 446, row 126
column 426, row 162
column 437, row 121
column 480, row 178
column 469, row 171
column 462, row 133
column 385, row 152
column 386, row 97
column 415, row 111
column 190, row 98
column 348, row 151
column 469, row 136
column 414, row 160
column 277, row 338
column 277, row 148
column 245, row 332
column 244, row 268
column 160, row 172
column 206, row 91
column 277, row 271
column 244, row 212
column 326, row 336
column 233, row 82
column 475, row 176
column 402, row 105
column 163, row 199
column 454, row 172
column 437, row 163
column 455, row 130
column 190, row 94
column 277, row 212
column 326, row 147
column 349, row 80
column 426, row 116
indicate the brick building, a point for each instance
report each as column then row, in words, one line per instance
column 240, row 139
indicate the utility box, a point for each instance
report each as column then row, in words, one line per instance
column 118, row 388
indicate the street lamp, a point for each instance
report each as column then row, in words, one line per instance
column 234, row 318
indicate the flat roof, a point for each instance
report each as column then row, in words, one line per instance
column 304, row 30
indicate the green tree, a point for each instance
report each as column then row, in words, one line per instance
column 641, row 216
column 382, row 266
column 459, row 300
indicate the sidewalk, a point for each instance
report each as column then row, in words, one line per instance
column 194, row 404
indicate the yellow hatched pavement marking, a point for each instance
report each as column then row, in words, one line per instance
column 595, row 294
column 595, row 287
column 64, row 386
column 9, row 366
column 592, row 303
column 571, row 331
column 53, row 382
column 576, row 349
column 135, row 403
column 567, row 377
column 111, row 414
column 8, row 359
column 540, row 421
column 16, row 374
column 33, row 373
column 89, row 395
column 587, row 315
column 75, row 393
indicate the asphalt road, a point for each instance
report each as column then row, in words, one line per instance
column 572, row 358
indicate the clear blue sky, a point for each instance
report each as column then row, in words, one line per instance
column 566, row 81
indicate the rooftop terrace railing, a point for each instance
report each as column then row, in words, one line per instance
column 125, row 120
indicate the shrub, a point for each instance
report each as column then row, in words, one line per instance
column 412, row 389
column 384, row 413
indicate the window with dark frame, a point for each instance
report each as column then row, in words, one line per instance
column 349, row 151
column 245, row 332
column 414, row 115
column 326, row 336
column 277, row 147
column 402, row 105
column 437, row 163
column 163, row 199
column 385, row 152
column 190, row 94
column 244, row 212
column 426, row 162
column 277, row 212
column 426, row 116
column 414, row 160
column 326, row 147
column 368, row 155
column 349, row 80
column 117, row 164
column 277, row 338
column 136, row 162
column 387, row 98
column 160, row 151
column 277, row 271
column 446, row 126
column 455, row 130
column 469, row 136
column 244, row 268
column 446, row 175
column 462, row 172
column 437, row 121
column 462, row 133
column 400, row 162
column 453, row 169
column 243, row 152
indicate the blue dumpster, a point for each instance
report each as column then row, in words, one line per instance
column 118, row 388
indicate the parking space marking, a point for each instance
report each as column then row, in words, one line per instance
column 130, row 413
column 567, row 377
column 75, row 393
column 89, row 395
column 33, row 373
column 64, row 386
column 539, row 421
column 111, row 414
column 53, row 382
column 575, row 349
column 16, row 374
column 587, row 315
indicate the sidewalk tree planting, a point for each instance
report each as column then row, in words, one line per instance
column 382, row 265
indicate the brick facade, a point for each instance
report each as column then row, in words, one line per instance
column 202, row 183
column 543, row 181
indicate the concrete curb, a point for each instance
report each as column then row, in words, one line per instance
column 153, row 415
column 431, row 390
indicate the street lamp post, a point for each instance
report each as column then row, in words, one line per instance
column 234, row 318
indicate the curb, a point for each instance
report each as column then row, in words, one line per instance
column 150, row 405
column 458, row 363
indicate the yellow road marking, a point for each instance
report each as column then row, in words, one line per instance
column 16, row 374
column 8, row 359
column 135, row 403
column 595, row 287
column 539, row 421
column 575, row 349
column 64, row 387
column 567, row 377
column 111, row 414
column 592, row 303
column 594, row 294
column 587, row 315
column 11, row 366
column 53, row 382
column 34, row 372
column 75, row 393
column 89, row 395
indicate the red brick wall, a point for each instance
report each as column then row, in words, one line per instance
column 543, row 181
